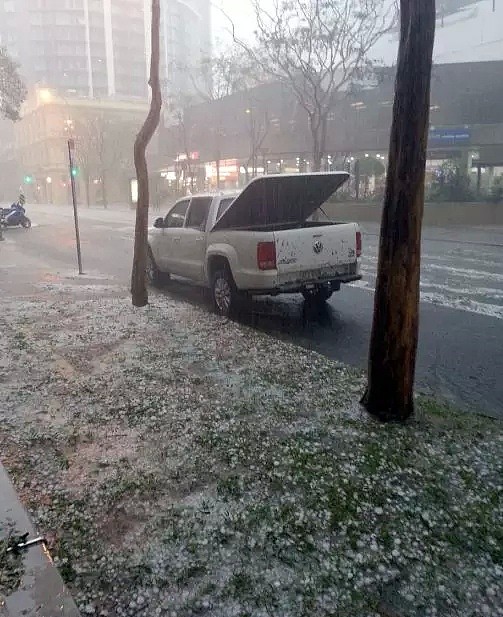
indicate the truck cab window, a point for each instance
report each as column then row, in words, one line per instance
column 223, row 206
column 176, row 217
column 198, row 212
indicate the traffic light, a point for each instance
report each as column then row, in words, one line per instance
column 75, row 171
column 28, row 179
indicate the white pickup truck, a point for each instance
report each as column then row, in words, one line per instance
column 259, row 241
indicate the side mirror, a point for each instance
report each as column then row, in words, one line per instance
column 159, row 223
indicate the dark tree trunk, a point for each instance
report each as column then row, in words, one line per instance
column 318, row 125
column 357, row 180
column 317, row 153
column 104, row 192
column 87, row 181
column 190, row 174
column 138, row 277
column 317, row 158
column 318, row 132
column 393, row 343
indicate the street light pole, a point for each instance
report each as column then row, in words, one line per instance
column 71, row 146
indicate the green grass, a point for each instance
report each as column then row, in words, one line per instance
column 20, row 341
column 252, row 486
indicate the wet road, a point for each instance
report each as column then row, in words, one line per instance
column 461, row 336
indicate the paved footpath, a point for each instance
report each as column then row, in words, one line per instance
column 42, row 592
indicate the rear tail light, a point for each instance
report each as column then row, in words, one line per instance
column 358, row 243
column 266, row 255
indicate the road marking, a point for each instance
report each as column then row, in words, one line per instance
column 427, row 258
column 469, row 305
column 489, row 292
column 464, row 304
column 468, row 273
column 449, row 240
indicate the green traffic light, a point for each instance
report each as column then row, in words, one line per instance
column 75, row 172
column 28, row 179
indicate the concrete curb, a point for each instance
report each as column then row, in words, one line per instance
column 42, row 592
column 435, row 214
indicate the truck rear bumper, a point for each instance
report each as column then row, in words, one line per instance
column 276, row 282
column 299, row 287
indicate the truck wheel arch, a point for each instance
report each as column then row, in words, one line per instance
column 221, row 255
column 217, row 262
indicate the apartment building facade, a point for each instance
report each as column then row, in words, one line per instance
column 101, row 48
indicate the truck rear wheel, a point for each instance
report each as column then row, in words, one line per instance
column 320, row 293
column 224, row 292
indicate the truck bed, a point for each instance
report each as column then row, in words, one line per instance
column 289, row 225
column 306, row 253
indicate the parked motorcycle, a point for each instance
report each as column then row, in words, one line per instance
column 15, row 216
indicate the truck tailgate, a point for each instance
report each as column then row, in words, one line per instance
column 315, row 251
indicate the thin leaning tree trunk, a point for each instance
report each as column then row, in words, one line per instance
column 393, row 345
column 138, row 277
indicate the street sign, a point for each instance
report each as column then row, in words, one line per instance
column 451, row 136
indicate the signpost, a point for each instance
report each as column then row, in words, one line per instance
column 71, row 148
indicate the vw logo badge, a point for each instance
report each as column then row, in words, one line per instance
column 318, row 247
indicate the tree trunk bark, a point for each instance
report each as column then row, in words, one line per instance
column 394, row 337
column 317, row 158
column 87, row 181
column 139, row 292
column 318, row 127
column 357, row 179
column 191, row 175
column 317, row 154
column 104, row 189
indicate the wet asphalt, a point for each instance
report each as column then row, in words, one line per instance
column 460, row 354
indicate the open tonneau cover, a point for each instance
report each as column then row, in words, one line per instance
column 280, row 199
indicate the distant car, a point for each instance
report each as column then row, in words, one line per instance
column 259, row 241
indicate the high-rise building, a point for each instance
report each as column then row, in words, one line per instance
column 186, row 41
column 100, row 48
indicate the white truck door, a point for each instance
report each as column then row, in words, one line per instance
column 191, row 248
column 168, row 243
column 156, row 241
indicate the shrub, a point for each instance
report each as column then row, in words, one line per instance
column 496, row 192
column 451, row 184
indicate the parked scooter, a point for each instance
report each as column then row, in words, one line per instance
column 15, row 216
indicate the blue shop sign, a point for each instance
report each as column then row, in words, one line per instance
column 449, row 136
